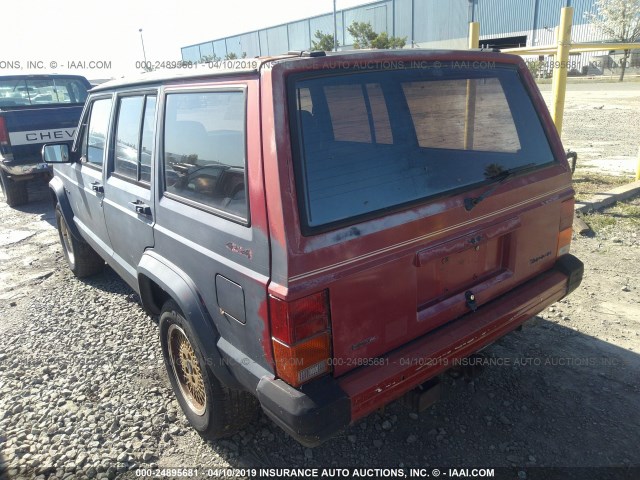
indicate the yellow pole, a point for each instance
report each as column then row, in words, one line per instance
column 560, row 72
column 470, row 111
column 556, row 36
column 638, row 166
column 474, row 35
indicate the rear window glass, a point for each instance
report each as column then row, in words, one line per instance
column 41, row 91
column 367, row 142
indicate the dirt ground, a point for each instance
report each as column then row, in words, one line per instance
column 562, row 392
column 601, row 124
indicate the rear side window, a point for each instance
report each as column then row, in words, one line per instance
column 97, row 129
column 134, row 137
column 127, row 136
column 204, row 150
column 367, row 142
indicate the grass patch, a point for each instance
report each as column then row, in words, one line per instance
column 588, row 184
column 599, row 222
column 621, row 215
column 627, row 211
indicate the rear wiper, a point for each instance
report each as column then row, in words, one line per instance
column 501, row 177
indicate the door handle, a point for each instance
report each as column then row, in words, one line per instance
column 141, row 208
column 97, row 187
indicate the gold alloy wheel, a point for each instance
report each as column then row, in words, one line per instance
column 66, row 238
column 186, row 369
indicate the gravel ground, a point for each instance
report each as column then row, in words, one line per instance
column 600, row 123
column 83, row 392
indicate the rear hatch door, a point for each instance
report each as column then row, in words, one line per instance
column 423, row 193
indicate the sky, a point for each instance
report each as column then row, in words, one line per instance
column 102, row 39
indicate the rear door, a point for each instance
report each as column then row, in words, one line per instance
column 128, row 202
column 87, row 175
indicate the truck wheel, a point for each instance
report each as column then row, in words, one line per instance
column 213, row 410
column 82, row 259
column 15, row 193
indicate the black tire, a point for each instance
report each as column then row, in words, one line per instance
column 81, row 258
column 213, row 410
column 15, row 193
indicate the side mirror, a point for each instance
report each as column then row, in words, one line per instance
column 56, row 153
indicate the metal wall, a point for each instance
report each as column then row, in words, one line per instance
column 379, row 15
column 436, row 20
column 324, row 24
column 298, row 35
column 500, row 17
column 580, row 9
column 424, row 23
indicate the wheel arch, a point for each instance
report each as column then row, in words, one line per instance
column 159, row 281
column 59, row 197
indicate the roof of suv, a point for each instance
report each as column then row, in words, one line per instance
column 252, row 65
column 221, row 67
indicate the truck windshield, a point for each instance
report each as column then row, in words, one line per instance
column 41, row 91
column 367, row 142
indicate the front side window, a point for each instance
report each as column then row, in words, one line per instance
column 367, row 142
column 204, row 150
column 96, row 132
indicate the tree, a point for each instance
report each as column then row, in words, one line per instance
column 365, row 37
column 385, row 41
column 324, row 42
column 618, row 20
column 234, row 56
column 209, row 58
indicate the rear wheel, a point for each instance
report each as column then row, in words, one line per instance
column 15, row 193
column 81, row 258
column 214, row 410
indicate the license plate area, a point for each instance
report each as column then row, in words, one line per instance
column 480, row 262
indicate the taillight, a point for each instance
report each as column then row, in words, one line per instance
column 565, row 228
column 301, row 337
column 4, row 134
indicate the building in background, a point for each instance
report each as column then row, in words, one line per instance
column 427, row 24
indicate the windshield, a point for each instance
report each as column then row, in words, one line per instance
column 41, row 91
column 365, row 142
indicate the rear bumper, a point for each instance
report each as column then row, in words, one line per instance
column 17, row 170
column 316, row 411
